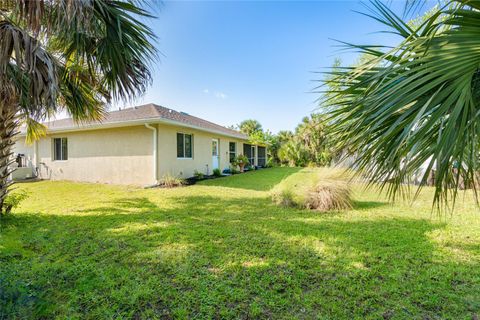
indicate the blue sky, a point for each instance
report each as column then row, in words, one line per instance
column 229, row 61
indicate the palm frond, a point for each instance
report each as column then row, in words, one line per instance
column 115, row 46
column 74, row 55
column 35, row 130
column 25, row 63
column 416, row 104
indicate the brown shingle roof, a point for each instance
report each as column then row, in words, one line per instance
column 148, row 112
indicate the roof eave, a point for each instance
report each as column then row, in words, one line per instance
column 129, row 123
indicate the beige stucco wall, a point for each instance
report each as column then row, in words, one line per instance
column 125, row 155
column 168, row 162
column 118, row 156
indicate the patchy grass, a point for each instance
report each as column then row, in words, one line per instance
column 221, row 249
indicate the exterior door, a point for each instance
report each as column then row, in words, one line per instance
column 215, row 158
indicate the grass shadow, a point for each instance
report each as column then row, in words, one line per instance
column 208, row 257
column 367, row 205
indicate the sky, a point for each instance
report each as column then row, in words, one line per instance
column 227, row 61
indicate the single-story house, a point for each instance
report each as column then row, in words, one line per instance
column 138, row 146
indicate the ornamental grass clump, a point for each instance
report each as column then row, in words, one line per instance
column 329, row 196
column 318, row 189
column 169, row 181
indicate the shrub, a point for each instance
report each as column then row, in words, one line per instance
column 234, row 170
column 249, row 167
column 217, row 172
column 198, row 175
column 170, row 181
column 283, row 198
column 270, row 163
column 329, row 196
column 12, row 201
column 311, row 164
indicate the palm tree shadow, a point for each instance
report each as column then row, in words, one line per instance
column 202, row 245
column 367, row 205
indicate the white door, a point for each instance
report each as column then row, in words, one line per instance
column 215, row 159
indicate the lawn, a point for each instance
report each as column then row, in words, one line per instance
column 221, row 249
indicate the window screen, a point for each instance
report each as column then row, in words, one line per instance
column 60, row 149
column 232, row 147
column 184, row 145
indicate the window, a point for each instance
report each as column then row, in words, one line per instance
column 60, row 149
column 232, row 148
column 184, row 145
column 215, row 148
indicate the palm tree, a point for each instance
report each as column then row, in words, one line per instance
column 284, row 136
column 416, row 103
column 312, row 133
column 249, row 126
column 293, row 153
column 67, row 55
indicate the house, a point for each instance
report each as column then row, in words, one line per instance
column 136, row 146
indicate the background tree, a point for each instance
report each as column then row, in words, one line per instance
column 416, row 103
column 309, row 145
column 312, row 133
column 249, row 126
column 275, row 143
column 67, row 55
column 293, row 154
column 284, row 136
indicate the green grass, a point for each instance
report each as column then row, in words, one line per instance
column 261, row 180
column 221, row 249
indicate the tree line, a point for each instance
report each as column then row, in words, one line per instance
column 307, row 145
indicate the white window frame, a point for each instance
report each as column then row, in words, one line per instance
column 54, row 149
column 191, row 144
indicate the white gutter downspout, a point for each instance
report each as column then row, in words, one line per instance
column 155, row 152
column 35, row 158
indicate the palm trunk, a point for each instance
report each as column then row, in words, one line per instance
column 8, row 130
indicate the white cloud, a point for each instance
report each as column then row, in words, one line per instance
column 220, row 95
column 217, row 94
